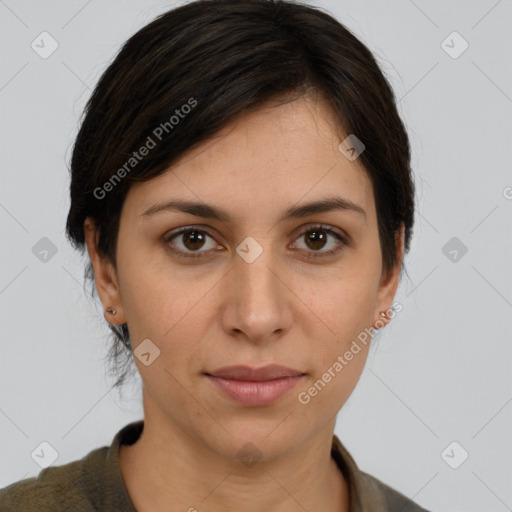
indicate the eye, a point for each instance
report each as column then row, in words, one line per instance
column 193, row 242
column 317, row 238
column 189, row 242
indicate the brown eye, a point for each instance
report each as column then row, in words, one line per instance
column 316, row 239
column 188, row 241
column 319, row 237
column 193, row 240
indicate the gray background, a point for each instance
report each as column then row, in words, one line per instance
column 440, row 372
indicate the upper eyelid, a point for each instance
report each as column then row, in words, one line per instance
column 184, row 229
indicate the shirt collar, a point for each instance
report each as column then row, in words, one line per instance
column 364, row 492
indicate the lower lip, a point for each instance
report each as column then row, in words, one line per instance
column 251, row 393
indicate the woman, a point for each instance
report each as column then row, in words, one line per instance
column 242, row 184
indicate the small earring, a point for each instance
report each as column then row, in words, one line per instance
column 382, row 314
column 111, row 310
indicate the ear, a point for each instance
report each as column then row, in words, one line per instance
column 104, row 275
column 389, row 281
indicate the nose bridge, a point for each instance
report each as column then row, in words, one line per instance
column 259, row 307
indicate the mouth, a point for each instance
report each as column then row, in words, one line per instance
column 255, row 387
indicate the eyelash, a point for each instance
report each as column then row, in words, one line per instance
column 310, row 254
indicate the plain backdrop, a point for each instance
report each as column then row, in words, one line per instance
column 437, row 384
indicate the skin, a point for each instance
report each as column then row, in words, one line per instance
column 218, row 310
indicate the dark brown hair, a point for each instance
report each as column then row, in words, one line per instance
column 192, row 70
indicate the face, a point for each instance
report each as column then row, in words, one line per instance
column 250, row 286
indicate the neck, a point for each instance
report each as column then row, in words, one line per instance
column 175, row 472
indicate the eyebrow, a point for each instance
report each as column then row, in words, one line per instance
column 208, row 211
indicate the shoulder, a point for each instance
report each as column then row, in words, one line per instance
column 56, row 488
column 89, row 484
column 381, row 494
column 368, row 493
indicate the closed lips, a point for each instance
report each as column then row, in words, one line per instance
column 251, row 387
column 248, row 374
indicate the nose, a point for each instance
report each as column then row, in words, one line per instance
column 257, row 303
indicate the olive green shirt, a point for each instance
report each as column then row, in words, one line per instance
column 95, row 483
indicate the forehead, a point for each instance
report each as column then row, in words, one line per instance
column 276, row 156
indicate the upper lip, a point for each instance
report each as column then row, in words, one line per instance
column 269, row 372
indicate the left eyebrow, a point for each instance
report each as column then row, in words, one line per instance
column 295, row 212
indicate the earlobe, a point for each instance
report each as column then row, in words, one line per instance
column 104, row 275
column 110, row 311
column 382, row 321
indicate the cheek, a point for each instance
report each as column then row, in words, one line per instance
column 346, row 307
column 327, row 390
column 170, row 311
column 338, row 361
column 153, row 299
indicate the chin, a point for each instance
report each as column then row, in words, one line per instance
column 267, row 438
